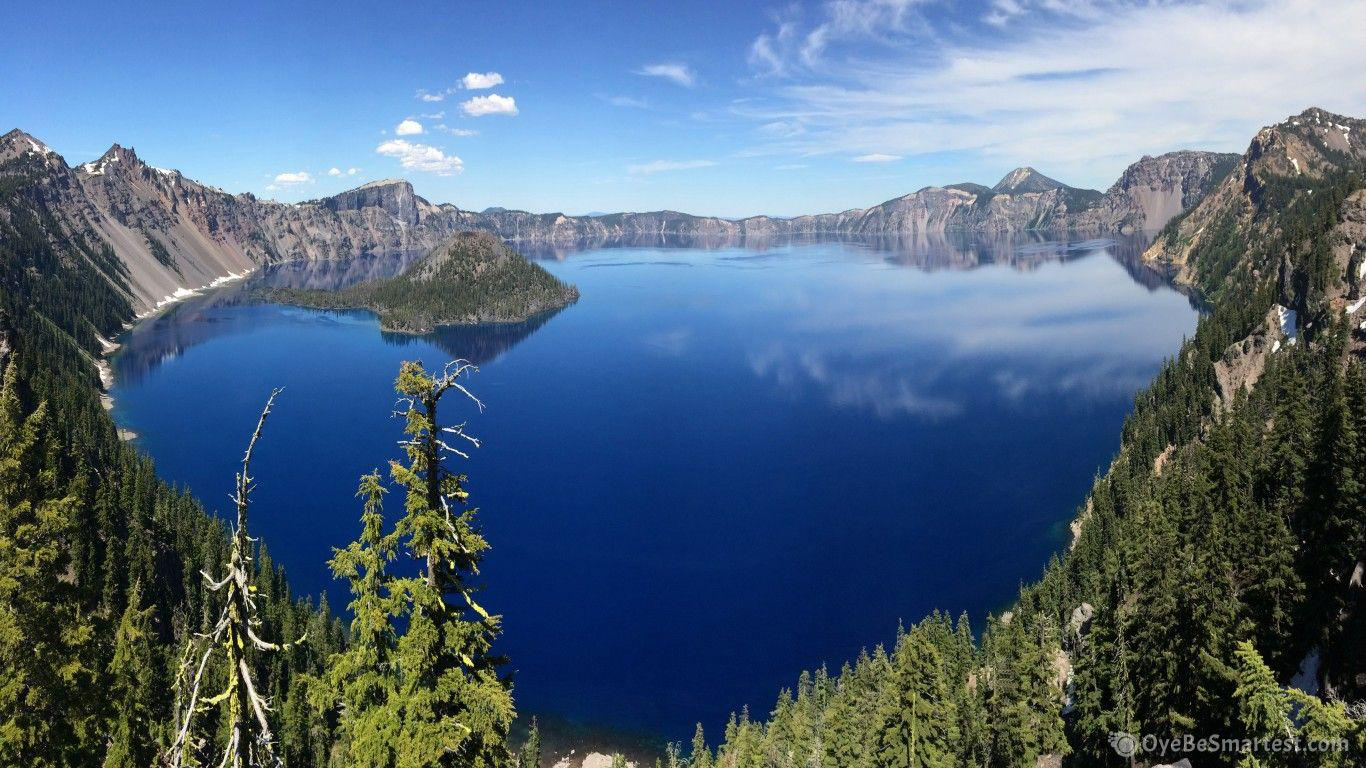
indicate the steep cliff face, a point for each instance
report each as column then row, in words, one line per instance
column 393, row 196
column 1154, row 190
column 174, row 236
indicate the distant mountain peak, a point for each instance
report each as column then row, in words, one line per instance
column 17, row 142
column 394, row 196
column 1026, row 179
column 118, row 159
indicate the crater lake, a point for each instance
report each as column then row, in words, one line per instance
column 725, row 464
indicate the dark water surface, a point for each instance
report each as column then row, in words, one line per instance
column 724, row 465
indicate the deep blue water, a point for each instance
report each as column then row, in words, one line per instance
column 722, row 466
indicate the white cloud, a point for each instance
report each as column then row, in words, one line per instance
column 658, row 166
column 352, row 171
column 408, row 127
column 438, row 115
column 473, row 81
column 877, row 157
column 1121, row 79
column 789, row 167
column 476, row 81
column 492, row 104
column 626, row 101
column 421, row 157
column 334, row 172
column 671, row 71
column 292, row 178
column 456, row 131
column 783, row 128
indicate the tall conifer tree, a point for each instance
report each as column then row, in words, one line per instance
column 134, row 687
column 456, row 708
column 362, row 681
column 918, row 728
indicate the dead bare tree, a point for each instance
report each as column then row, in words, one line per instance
column 249, row 742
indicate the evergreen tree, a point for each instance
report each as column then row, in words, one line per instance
column 455, row 708
column 1024, row 703
column 700, row 756
column 135, row 687
column 46, row 639
column 362, row 680
column 841, row 737
column 918, row 728
column 530, row 754
column 1263, row 708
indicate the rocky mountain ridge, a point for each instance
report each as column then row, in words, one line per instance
column 1278, row 171
column 174, row 235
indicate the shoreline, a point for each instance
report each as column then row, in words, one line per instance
column 108, row 347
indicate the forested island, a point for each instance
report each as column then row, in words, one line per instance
column 1217, row 560
column 474, row 277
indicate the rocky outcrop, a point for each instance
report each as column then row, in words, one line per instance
column 1244, row 361
column 175, row 236
column 392, row 196
column 590, row 760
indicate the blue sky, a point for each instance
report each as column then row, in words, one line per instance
column 695, row 105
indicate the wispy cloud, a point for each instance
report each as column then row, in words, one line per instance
column 456, row 131
column 475, row 81
column 881, row 77
column 792, row 45
column 492, row 104
column 421, row 157
column 625, row 101
column 659, row 166
column 783, row 128
column 409, row 127
column 334, row 171
column 674, row 72
column 877, row 157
